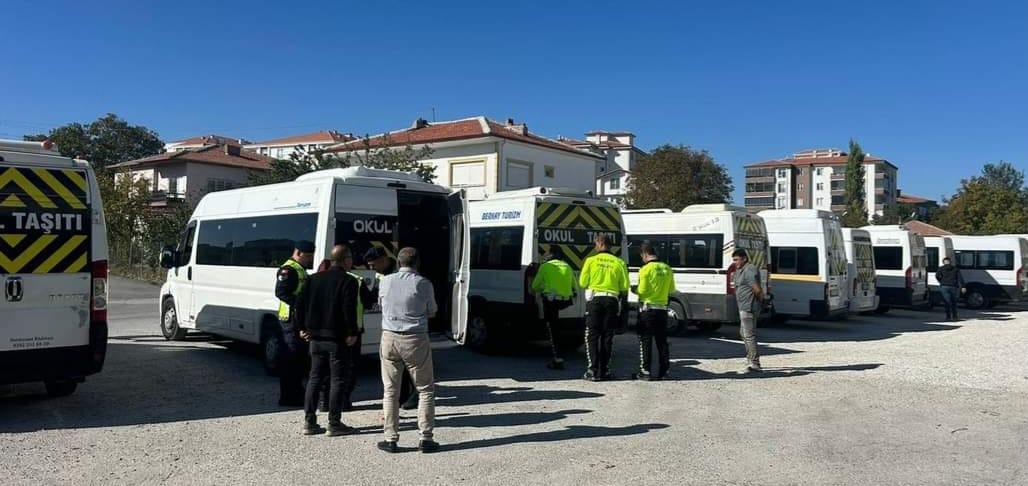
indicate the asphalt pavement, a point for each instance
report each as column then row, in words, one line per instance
column 896, row 399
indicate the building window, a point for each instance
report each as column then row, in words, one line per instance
column 615, row 183
column 760, row 172
column 760, row 186
column 760, row 202
column 838, row 200
column 799, row 187
column 783, row 173
column 818, row 171
column 820, row 202
column 550, row 171
column 838, row 185
column 781, row 187
column 781, row 203
column 173, row 185
column 467, row 174
column 820, row 186
column 799, row 202
column 215, row 185
column 519, row 174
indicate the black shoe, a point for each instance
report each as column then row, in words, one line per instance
column 411, row 404
column 555, row 365
column 340, row 429
column 313, row 429
column 589, row 376
column 388, row 446
column 643, row 376
column 428, row 446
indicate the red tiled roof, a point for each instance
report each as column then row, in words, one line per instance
column 908, row 199
column 211, row 154
column 209, row 140
column 468, row 128
column 322, row 136
column 925, row 229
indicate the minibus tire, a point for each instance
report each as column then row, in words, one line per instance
column 271, row 346
column 169, row 322
column 975, row 299
column 882, row 309
column 676, row 313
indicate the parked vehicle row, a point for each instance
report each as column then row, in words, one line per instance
column 485, row 253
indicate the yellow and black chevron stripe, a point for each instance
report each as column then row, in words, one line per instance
column 580, row 220
column 557, row 215
column 44, row 220
column 751, row 230
column 48, row 189
column 53, row 253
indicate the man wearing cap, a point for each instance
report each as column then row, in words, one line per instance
column 292, row 276
column 378, row 260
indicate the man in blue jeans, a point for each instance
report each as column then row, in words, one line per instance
column 950, row 280
column 326, row 315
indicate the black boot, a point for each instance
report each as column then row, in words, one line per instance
column 311, row 427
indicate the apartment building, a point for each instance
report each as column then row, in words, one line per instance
column 622, row 156
column 816, row 179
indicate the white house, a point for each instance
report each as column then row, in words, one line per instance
column 185, row 175
column 622, row 156
column 282, row 148
column 484, row 156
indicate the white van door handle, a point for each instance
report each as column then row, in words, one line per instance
column 13, row 289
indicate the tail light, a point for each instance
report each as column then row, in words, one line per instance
column 98, row 291
column 1020, row 277
column 909, row 277
column 729, row 284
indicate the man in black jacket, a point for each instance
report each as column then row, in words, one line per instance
column 327, row 317
column 950, row 280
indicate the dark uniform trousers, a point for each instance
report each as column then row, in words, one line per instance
column 292, row 364
column 601, row 321
column 652, row 326
column 331, row 363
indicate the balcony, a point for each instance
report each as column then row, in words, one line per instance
column 166, row 198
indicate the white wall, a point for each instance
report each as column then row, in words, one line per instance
column 448, row 162
column 786, row 192
column 284, row 151
column 197, row 176
column 570, row 170
column 825, row 193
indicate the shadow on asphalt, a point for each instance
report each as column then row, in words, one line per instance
column 571, row 432
column 507, row 419
column 465, row 395
column 680, row 371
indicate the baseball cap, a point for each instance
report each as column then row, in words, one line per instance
column 374, row 253
column 305, row 246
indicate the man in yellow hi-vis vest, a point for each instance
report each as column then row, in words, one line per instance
column 292, row 276
column 656, row 284
column 554, row 288
column 604, row 279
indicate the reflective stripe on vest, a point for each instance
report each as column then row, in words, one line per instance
column 301, row 273
column 360, row 303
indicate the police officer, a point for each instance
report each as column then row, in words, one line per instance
column 554, row 288
column 656, row 283
column 378, row 260
column 292, row 276
column 604, row 278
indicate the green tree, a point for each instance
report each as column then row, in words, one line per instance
column 896, row 214
column 994, row 202
column 856, row 201
column 125, row 200
column 404, row 159
column 105, row 141
column 676, row 176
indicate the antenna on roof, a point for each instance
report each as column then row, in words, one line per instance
column 433, row 114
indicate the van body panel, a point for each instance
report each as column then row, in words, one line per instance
column 860, row 285
column 901, row 264
column 996, row 264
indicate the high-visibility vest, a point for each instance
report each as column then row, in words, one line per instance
column 360, row 303
column 301, row 273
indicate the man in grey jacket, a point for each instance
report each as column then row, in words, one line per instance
column 408, row 301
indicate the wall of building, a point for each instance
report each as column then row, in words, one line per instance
column 198, row 176
column 568, row 169
column 284, row 151
column 471, row 167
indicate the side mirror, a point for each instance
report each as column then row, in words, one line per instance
column 169, row 257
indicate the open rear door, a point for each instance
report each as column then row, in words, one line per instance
column 460, row 264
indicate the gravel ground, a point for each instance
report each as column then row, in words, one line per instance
column 899, row 399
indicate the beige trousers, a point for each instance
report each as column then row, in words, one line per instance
column 413, row 351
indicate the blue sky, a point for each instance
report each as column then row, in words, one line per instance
column 937, row 87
